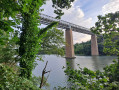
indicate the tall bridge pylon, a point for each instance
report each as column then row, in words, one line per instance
column 69, row 27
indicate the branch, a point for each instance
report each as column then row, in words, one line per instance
column 44, row 30
column 46, row 78
column 43, row 73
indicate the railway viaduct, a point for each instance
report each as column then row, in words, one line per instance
column 69, row 27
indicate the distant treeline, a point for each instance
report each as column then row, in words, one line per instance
column 84, row 48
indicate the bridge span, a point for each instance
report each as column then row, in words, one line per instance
column 45, row 19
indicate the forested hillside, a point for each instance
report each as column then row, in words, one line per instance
column 84, row 48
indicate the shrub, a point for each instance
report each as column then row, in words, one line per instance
column 10, row 80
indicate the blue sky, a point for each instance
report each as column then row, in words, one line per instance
column 91, row 7
column 84, row 13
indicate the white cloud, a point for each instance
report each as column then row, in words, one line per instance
column 48, row 10
column 74, row 15
column 79, row 37
column 112, row 6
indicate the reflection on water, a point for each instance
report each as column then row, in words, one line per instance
column 91, row 62
column 95, row 62
column 71, row 63
column 100, row 62
column 57, row 76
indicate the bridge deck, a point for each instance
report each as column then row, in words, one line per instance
column 45, row 19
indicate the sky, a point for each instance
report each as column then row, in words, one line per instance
column 84, row 13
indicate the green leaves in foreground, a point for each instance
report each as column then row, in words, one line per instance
column 10, row 80
column 53, row 42
column 85, row 79
column 108, row 27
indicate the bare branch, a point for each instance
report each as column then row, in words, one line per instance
column 43, row 73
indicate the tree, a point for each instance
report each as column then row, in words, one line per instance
column 108, row 27
column 53, row 42
column 8, row 37
column 7, row 48
column 85, row 79
column 10, row 80
column 31, row 35
column 8, row 40
column 83, row 48
column 60, row 4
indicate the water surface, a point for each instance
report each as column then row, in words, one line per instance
column 55, row 64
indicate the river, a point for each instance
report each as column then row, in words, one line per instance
column 55, row 64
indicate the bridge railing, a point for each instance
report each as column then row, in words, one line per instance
column 45, row 19
column 62, row 22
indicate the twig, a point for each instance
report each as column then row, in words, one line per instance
column 43, row 73
column 46, row 78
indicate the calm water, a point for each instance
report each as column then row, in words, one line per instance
column 57, row 76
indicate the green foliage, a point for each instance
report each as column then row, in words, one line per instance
column 84, row 48
column 37, row 80
column 10, row 80
column 60, row 4
column 101, row 45
column 52, row 43
column 112, row 71
column 108, row 26
column 8, row 53
column 8, row 8
column 29, row 43
column 60, row 88
column 30, row 37
column 85, row 79
column 8, row 37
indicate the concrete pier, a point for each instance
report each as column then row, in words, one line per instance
column 94, row 46
column 69, row 43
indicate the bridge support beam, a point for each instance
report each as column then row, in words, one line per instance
column 69, row 43
column 94, row 46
